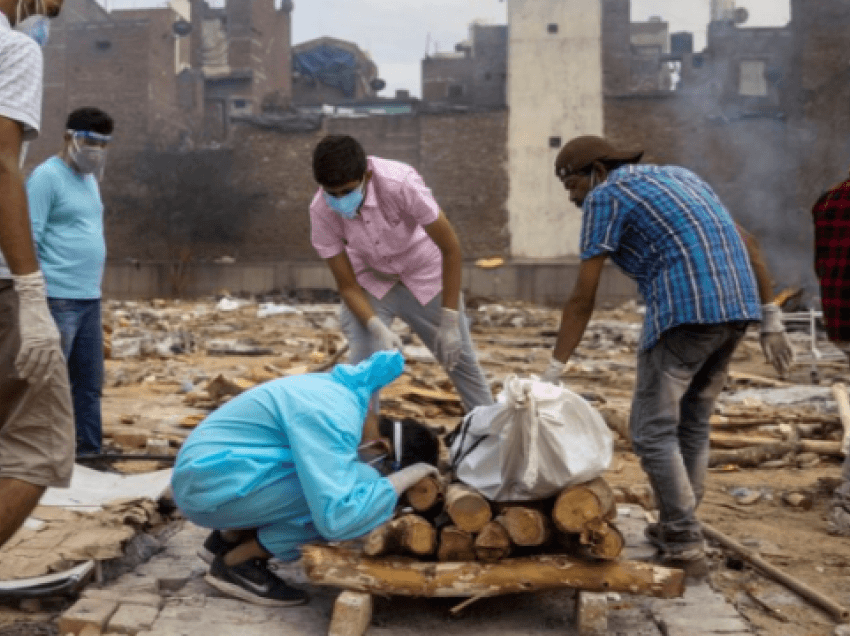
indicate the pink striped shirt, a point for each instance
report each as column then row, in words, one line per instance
column 386, row 242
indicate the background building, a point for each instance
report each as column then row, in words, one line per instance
column 211, row 159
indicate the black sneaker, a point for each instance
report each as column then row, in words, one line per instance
column 215, row 545
column 252, row 581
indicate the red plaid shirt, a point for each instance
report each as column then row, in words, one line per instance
column 831, row 215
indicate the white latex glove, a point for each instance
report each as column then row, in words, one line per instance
column 448, row 345
column 774, row 341
column 386, row 338
column 40, row 343
column 410, row 476
column 553, row 372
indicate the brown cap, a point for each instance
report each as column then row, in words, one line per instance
column 579, row 153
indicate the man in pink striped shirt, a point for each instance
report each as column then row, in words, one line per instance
column 393, row 253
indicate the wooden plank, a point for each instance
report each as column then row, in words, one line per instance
column 326, row 565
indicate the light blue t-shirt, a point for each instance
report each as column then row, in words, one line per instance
column 67, row 225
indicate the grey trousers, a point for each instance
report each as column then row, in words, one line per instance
column 399, row 302
column 678, row 381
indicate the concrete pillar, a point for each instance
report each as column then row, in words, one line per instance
column 554, row 94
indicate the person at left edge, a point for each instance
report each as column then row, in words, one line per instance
column 67, row 223
column 36, row 422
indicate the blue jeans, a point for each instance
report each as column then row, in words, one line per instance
column 80, row 328
column 467, row 375
column 678, row 381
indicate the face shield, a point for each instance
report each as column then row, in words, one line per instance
column 88, row 152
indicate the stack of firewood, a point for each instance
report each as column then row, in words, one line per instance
column 454, row 522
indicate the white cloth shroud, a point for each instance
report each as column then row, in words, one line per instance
column 535, row 441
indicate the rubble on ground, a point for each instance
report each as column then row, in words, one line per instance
column 775, row 441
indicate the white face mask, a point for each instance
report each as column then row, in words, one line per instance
column 87, row 159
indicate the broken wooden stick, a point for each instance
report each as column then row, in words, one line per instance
column 758, row 379
column 839, row 613
column 800, row 446
column 326, row 565
column 751, row 456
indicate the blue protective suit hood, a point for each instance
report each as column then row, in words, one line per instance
column 372, row 374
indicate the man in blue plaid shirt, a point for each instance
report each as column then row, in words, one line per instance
column 666, row 229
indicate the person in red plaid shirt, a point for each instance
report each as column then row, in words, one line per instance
column 831, row 215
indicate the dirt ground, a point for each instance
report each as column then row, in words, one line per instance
column 150, row 393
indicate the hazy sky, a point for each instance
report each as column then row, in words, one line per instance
column 396, row 33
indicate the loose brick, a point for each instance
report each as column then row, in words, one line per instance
column 124, row 598
column 591, row 614
column 352, row 614
column 87, row 612
column 132, row 619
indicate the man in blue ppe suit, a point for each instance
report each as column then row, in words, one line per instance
column 278, row 467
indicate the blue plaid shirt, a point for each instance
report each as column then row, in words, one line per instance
column 666, row 229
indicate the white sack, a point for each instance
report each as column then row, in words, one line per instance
column 536, row 440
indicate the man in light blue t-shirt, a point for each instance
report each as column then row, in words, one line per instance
column 67, row 223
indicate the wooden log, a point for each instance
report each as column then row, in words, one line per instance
column 468, row 509
column 525, row 526
column 800, row 446
column 735, row 422
column 398, row 576
column 838, row 612
column 751, row 456
column 603, row 540
column 493, row 543
column 758, row 379
column 410, row 533
column 840, row 393
column 455, row 545
column 427, row 496
column 577, row 505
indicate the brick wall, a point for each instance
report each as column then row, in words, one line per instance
column 396, row 137
column 250, row 199
column 439, row 73
column 464, row 160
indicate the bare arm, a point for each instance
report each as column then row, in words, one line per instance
column 15, row 231
column 763, row 279
column 443, row 234
column 349, row 289
column 579, row 308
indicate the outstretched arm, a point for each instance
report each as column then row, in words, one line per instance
column 576, row 315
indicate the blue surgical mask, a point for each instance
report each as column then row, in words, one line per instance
column 37, row 27
column 348, row 205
